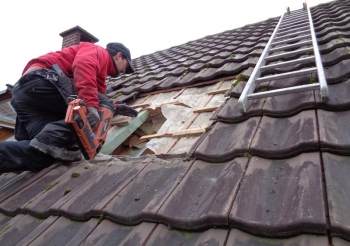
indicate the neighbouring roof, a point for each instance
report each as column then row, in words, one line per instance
column 279, row 174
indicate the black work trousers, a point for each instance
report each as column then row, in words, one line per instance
column 41, row 110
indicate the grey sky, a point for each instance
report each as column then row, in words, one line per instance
column 31, row 28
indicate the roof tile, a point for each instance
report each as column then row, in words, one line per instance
column 225, row 142
column 286, row 137
column 281, row 197
column 337, row 173
column 141, row 199
column 334, row 131
column 203, row 199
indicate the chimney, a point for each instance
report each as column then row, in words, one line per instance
column 76, row 35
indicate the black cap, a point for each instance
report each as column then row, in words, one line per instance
column 114, row 48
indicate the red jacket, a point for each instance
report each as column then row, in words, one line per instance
column 88, row 64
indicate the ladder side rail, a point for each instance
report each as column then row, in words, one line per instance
column 320, row 72
column 250, row 86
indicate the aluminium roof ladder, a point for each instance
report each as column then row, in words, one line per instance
column 290, row 30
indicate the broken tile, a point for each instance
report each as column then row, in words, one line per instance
column 141, row 199
column 209, row 193
column 163, row 236
column 334, row 131
column 227, row 141
column 281, row 197
column 286, row 137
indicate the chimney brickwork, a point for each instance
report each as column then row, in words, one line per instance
column 70, row 40
column 76, row 35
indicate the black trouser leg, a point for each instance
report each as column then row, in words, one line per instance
column 18, row 156
column 37, row 103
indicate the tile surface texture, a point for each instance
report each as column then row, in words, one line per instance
column 276, row 175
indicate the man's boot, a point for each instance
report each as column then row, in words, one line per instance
column 56, row 152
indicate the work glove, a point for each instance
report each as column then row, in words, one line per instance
column 123, row 109
column 93, row 117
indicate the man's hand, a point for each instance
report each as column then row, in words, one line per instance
column 123, row 109
column 93, row 117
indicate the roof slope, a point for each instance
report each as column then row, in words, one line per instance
column 276, row 175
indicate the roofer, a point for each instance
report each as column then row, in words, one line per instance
column 40, row 100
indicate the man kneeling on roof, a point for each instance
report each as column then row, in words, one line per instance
column 40, row 100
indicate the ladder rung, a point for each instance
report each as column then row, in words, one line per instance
column 286, row 54
column 292, row 39
column 286, row 75
column 294, row 27
column 293, row 30
column 298, row 11
column 284, row 25
column 291, row 46
column 294, row 21
column 284, row 91
column 292, row 35
column 294, row 16
column 287, row 63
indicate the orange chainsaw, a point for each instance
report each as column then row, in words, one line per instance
column 90, row 142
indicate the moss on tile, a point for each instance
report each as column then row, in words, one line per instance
column 309, row 53
column 341, row 37
column 240, row 77
column 100, row 219
column 67, row 191
column 3, row 231
column 75, row 175
column 52, row 185
column 39, row 221
column 30, row 201
column 248, row 155
column 185, row 73
column 313, row 80
column 117, row 95
column 263, row 89
column 232, row 56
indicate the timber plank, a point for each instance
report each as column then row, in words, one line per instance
column 119, row 134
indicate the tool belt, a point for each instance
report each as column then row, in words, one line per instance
column 64, row 84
